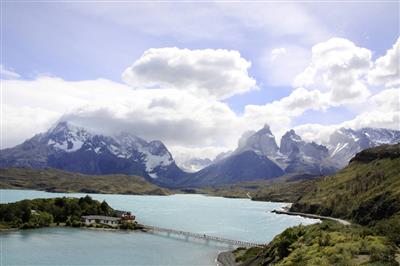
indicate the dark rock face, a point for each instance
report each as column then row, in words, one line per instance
column 381, row 152
column 262, row 142
column 305, row 157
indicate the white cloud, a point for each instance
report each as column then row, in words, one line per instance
column 338, row 67
column 176, row 117
column 281, row 65
column 8, row 73
column 188, row 124
column 277, row 52
column 218, row 73
column 183, row 154
column 279, row 114
column 212, row 20
column 385, row 101
column 381, row 110
column 386, row 68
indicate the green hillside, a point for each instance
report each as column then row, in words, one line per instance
column 367, row 192
column 328, row 243
column 61, row 181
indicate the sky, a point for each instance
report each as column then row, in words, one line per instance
column 197, row 75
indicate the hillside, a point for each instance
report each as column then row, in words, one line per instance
column 367, row 192
column 287, row 188
column 61, row 181
column 328, row 243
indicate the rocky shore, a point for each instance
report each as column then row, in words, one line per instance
column 226, row 258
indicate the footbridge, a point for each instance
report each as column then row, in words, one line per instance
column 203, row 236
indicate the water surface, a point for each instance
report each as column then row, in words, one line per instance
column 239, row 219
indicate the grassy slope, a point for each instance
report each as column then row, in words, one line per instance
column 328, row 243
column 367, row 192
column 282, row 189
column 62, row 181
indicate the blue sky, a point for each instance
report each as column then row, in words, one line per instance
column 93, row 40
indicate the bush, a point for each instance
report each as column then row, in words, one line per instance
column 42, row 212
column 130, row 226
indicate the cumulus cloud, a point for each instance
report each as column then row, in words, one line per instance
column 217, row 73
column 338, row 67
column 189, row 125
column 381, row 110
column 281, row 65
column 174, row 116
column 8, row 73
column 279, row 114
column 386, row 68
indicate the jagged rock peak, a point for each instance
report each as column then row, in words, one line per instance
column 262, row 142
column 291, row 143
column 266, row 130
column 292, row 135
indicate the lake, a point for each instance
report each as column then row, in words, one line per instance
column 239, row 219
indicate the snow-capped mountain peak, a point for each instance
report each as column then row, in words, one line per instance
column 66, row 137
column 69, row 147
column 344, row 143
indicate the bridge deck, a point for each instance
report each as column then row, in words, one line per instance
column 204, row 236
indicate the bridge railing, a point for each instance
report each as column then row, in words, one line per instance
column 204, row 236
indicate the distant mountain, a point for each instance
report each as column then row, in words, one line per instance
column 300, row 156
column 258, row 156
column 244, row 166
column 195, row 164
column 262, row 142
column 345, row 143
column 75, row 149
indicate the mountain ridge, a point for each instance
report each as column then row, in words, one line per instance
column 257, row 156
column 75, row 149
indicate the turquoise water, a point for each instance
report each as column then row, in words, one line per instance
column 239, row 219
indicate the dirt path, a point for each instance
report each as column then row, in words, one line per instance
column 313, row 216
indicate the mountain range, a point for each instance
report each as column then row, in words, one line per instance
column 75, row 149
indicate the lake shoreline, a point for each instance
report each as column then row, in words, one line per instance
column 199, row 214
column 225, row 258
column 84, row 227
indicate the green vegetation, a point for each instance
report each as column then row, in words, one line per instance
column 283, row 189
column 54, row 180
column 57, row 211
column 367, row 192
column 328, row 243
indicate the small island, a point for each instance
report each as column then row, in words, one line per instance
column 63, row 211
